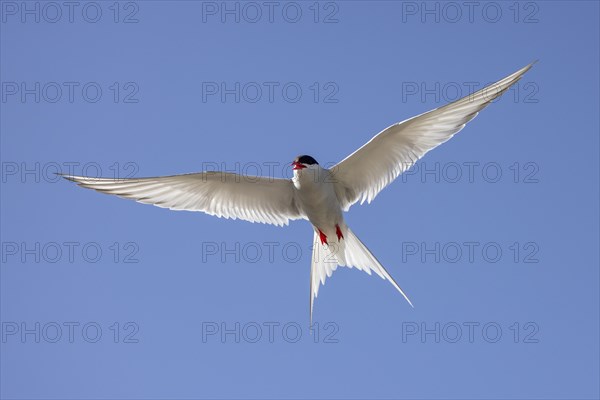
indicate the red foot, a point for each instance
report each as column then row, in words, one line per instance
column 338, row 232
column 323, row 237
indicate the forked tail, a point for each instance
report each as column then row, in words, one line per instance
column 348, row 252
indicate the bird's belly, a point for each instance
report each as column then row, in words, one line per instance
column 324, row 217
column 321, row 206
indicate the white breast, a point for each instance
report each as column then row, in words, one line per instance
column 317, row 196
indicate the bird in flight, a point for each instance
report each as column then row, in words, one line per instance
column 316, row 194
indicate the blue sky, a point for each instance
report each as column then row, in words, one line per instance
column 493, row 235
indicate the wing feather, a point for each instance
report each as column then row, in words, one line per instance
column 364, row 173
column 255, row 199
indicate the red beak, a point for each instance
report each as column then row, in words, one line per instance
column 298, row 165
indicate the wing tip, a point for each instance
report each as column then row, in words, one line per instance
column 71, row 178
column 529, row 66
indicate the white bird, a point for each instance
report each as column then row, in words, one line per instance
column 319, row 195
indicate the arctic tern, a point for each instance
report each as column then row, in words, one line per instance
column 316, row 194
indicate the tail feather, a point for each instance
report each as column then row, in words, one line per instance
column 323, row 263
column 349, row 252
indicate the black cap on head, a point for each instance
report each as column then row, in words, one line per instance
column 308, row 160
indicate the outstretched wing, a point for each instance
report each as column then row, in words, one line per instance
column 364, row 173
column 227, row 195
